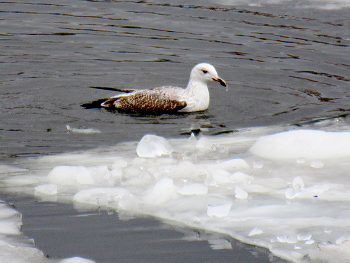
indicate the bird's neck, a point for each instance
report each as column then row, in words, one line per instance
column 197, row 96
column 195, row 87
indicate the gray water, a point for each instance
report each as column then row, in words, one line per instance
column 284, row 63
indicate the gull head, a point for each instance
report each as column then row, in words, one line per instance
column 205, row 72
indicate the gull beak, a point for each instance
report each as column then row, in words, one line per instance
column 221, row 81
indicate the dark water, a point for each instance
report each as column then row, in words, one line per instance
column 285, row 64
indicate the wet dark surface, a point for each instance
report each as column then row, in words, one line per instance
column 284, row 64
column 102, row 236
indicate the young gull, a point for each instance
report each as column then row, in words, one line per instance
column 169, row 99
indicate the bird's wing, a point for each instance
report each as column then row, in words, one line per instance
column 148, row 101
column 114, row 89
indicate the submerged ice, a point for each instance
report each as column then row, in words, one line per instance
column 285, row 190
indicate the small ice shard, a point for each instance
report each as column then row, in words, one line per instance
column 101, row 196
column 221, row 176
column 255, row 231
column 194, row 189
column 239, row 177
column 204, row 144
column 294, row 191
column 161, row 192
column 298, row 182
column 258, row 164
column 309, row 242
column 219, row 210
column 232, row 165
column 153, row 146
column 46, row 189
column 219, row 243
column 304, row 236
column 282, row 239
column 120, row 163
column 82, row 131
column 317, row 164
column 301, row 160
column 291, row 193
column 343, row 238
column 327, row 230
column 240, row 193
column 76, row 260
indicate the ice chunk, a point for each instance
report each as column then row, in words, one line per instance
column 77, row 260
column 73, row 175
column 316, row 164
column 239, row 177
column 219, row 210
column 70, row 175
column 343, row 238
column 163, row 191
column 255, row 231
column 46, row 189
column 194, row 189
column 205, row 144
column 221, row 176
column 240, row 193
column 233, row 165
column 310, row 144
column 153, row 146
column 294, row 191
column 82, row 131
column 100, row 196
column 220, row 243
column 304, row 236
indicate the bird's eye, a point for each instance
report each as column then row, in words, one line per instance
column 205, row 71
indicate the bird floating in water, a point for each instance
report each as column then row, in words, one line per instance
column 168, row 99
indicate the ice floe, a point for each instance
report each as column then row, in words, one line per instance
column 284, row 188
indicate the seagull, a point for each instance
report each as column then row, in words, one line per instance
column 168, row 99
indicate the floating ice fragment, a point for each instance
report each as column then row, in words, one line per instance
column 232, row 165
column 343, row 238
column 255, row 231
column 294, row 191
column 219, row 210
column 152, row 146
column 99, row 196
column 219, row 243
column 161, row 192
column 327, row 230
column 68, row 175
column 82, row 131
column 258, row 164
column 194, row 189
column 290, row 193
column 301, row 160
column 239, row 177
column 298, row 182
column 240, row 193
column 120, row 163
column 310, row 144
column 304, row 236
column 221, row 176
column 309, row 242
column 316, row 164
column 204, row 144
column 46, row 189
column 77, row 260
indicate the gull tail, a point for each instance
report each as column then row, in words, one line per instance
column 115, row 89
